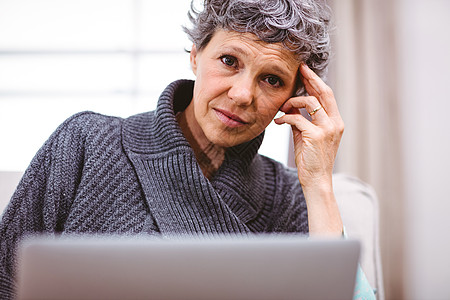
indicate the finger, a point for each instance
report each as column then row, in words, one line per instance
column 310, row 104
column 299, row 102
column 315, row 86
column 296, row 120
column 310, row 131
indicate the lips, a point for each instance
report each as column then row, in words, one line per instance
column 229, row 119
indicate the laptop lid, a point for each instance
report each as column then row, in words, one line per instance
column 261, row 267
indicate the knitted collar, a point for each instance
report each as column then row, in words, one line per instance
column 173, row 183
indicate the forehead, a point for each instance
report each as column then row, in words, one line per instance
column 250, row 45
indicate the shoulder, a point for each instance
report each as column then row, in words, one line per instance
column 73, row 136
column 85, row 125
column 88, row 121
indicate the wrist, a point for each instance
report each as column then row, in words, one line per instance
column 317, row 183
column 323, row 212
column 320, row 188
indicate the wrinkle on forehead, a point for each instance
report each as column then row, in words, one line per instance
column 249, row 44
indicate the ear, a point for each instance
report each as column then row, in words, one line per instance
column 193, row 59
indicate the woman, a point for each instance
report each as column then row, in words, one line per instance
column 191, row 166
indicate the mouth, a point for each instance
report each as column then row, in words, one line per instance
column 229, row 119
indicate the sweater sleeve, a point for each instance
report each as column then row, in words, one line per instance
column 363, row 290
column 42, row 199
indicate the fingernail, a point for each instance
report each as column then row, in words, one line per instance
column 278, row 121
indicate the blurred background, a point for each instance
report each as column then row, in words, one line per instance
column 389, row 72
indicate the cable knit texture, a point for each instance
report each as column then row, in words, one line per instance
column 106, row 175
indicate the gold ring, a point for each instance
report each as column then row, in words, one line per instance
column 315, row 110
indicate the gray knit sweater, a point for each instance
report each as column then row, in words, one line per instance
column 108, row 175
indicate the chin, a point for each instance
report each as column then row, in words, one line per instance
column 225, row 137
column 228, row 140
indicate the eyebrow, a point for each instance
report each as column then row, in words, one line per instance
column 275, row 67
column 235, row 49
column 280, row 70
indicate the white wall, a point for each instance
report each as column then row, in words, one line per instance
column 424, row 67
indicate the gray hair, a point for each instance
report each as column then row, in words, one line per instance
column 302, row 26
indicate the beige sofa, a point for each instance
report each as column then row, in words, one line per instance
column 8, row 183
column 358, row 205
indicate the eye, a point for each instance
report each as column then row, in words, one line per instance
column 274, row 81
column 229, row 60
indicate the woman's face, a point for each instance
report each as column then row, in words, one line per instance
column 241, row 84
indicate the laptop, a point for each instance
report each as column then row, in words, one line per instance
column 258, row 267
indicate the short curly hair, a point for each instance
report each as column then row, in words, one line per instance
column 302, row 26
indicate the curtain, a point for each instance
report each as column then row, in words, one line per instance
column 364, row 78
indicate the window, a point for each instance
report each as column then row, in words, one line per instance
column 110, row 56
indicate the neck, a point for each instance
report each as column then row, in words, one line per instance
column 209, row 156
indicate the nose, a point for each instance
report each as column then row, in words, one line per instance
column 242, row 90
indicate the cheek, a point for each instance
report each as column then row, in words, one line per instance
column 268, row 107
column 208, row 85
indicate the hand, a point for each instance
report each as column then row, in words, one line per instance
column 315, row 142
